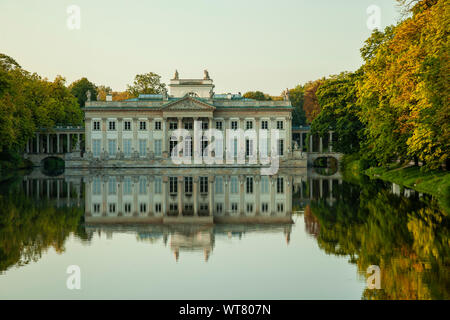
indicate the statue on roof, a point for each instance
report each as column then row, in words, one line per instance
column 211, row 93
column 165, row 94
column 88, row 96
column 176, row 75
column 206, row 77
column 286, row 95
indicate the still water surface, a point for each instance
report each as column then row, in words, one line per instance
column 298, row 235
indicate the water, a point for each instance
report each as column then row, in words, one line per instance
column 313, row 236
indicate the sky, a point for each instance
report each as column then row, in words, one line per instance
column 246, row 45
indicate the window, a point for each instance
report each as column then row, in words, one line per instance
column 142, row 125
column 157, row 125
column 187, row 146
column 219, row 207
column 142, row 185
column 158, row 148
column 265, row 207
column 127, row 186
column 127, row 147
column 97, row 186
column 112, row 185
column 219, row 125
column 280, row 185
column 249, row 185
column 112, row 207
column 234, row 185
column 204, row 145
column 188, row 207
column 280, row 124
column 112, row 147
column 264, row 124
column 158, row 185
column 264, row 184
column 219, row 185
column 173, row 184
column 142, row 147
column 143, row 208
column 204, row 125
column 203, row 184
column 249, row 207
column 173, row 207
column 127, row 207
column 158, row 207
column 96, row 126
column 173, row 146
column 173, row 125
column 96, row 207
column 188, row 184
column 280, row 147
column 96, row 147
column 249, row 148
column 112, row 126
column 234, row 125
column 234, row 207
column 203, row 207
column 188, row 125
column 249, row 125
column 280, row 207
column 127, row 126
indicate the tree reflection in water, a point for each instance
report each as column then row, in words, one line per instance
column 407, row 237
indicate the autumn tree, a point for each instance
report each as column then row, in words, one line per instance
column 311, row 105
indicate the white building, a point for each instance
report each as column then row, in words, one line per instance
column 144, row 131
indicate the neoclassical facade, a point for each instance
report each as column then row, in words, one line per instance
column 143, row 130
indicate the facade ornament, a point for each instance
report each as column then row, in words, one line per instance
column 88, row 96
column 206, row 77
column 176, row 76
column 286, row 95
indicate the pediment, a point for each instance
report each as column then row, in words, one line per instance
column 188, row 104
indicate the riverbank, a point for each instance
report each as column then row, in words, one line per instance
column 435, row 183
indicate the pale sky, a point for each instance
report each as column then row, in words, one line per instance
column 266, row 45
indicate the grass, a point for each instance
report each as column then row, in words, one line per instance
column 436, row 183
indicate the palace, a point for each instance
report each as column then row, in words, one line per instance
column 142, row 130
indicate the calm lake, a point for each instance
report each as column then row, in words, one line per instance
column 218, row 234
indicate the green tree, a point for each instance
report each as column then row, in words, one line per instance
column 79, row 89
column 148, row 83
column 296, row 95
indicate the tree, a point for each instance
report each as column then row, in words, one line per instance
column 337, row 99
column 296, row 95
column 148, row 83
column 404, row 93
column 79, row 89
column 257, row 95
column 311, row 105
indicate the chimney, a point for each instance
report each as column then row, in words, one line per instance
column 109, row 97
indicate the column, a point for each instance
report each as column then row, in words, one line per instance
column 210, row 137
column 273, row 180
column 37, row 142
column 68, row 193
column 164, row 137
column 301, row 141
column 289, row 195
column 119, row 195
column 320, row 145
column 241, row 192
column 321, row 188
column 87, row 131
column 48, row 144
column 196, row 143
column 180, row 185
column 165, row 192
column 289, row 135
column 258, row 147
column 257, row 194
column 135, row 135
column 211, row 195
column 310, row 143
column 68, row 142
column 103, row 135
column 310, row 188
column 57, row 143
column 195, row 195
column 150, row 134
column 119, row 134
column 150, row 184
column 330, row 142
column 227, row 194
column 179, row 126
